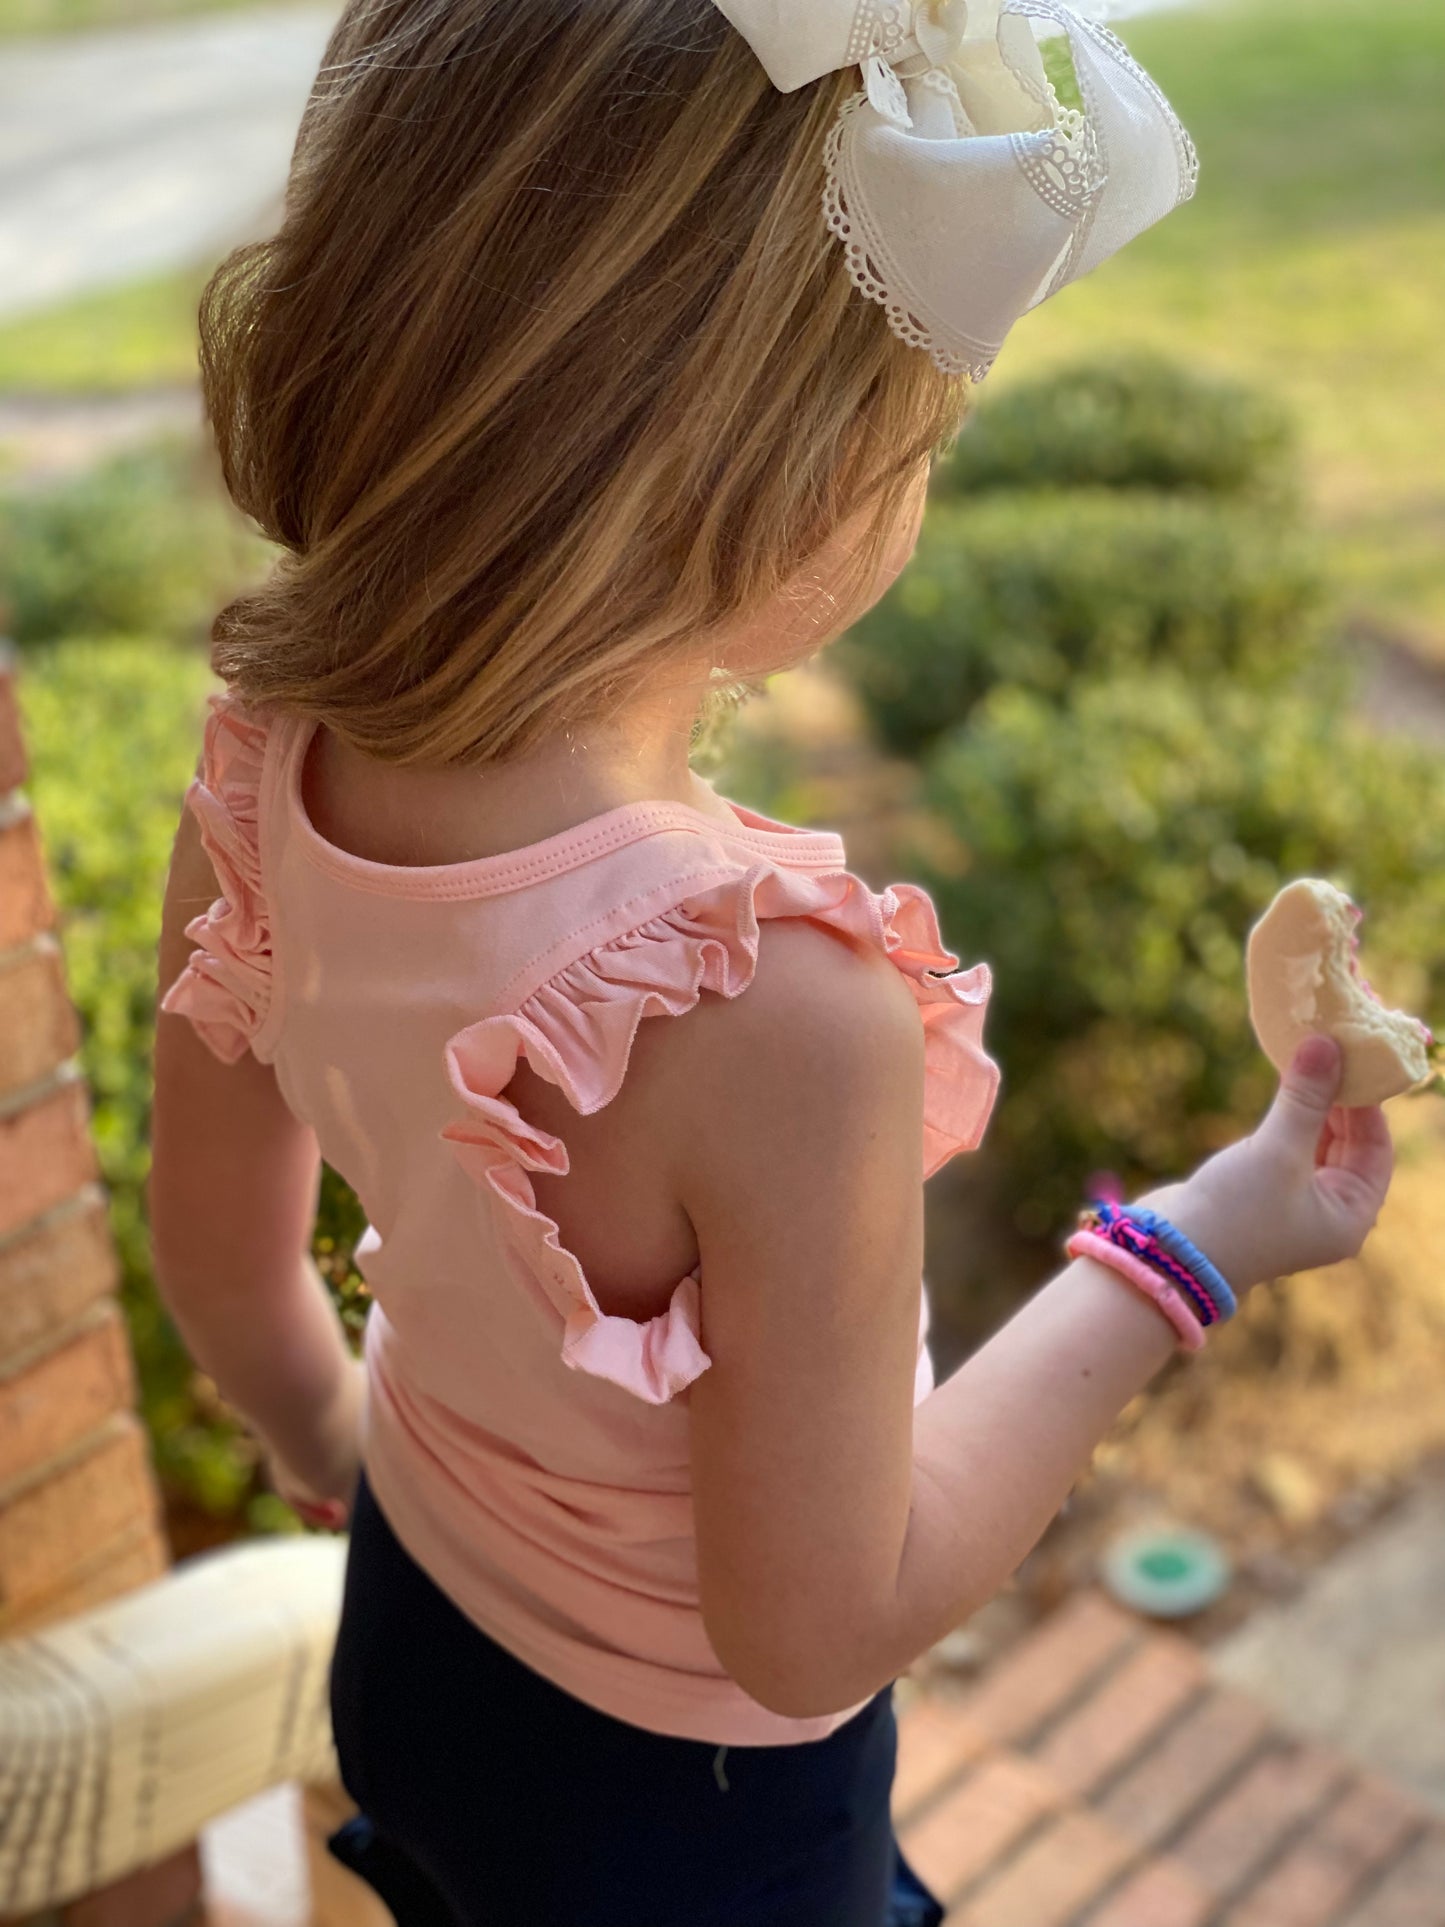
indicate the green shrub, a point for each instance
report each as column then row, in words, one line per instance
column 1107, row 857
column 1136, row 421
column 114, row 727
column 140, row 545
column 1035, row 588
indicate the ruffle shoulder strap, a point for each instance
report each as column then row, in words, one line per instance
column 225, row 988
column 577, row 1032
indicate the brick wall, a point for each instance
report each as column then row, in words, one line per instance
column 80, row 1513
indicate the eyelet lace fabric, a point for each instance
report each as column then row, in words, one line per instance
column 930, row 213
column 878, row 29
column 846, row 216
column 1063, row 168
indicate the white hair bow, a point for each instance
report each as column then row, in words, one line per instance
column 962, row 191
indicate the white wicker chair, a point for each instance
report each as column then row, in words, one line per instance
column 127, row 1729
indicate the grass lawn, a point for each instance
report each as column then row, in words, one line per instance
column 1311, row 260
column 138, row 336
column 23, row 17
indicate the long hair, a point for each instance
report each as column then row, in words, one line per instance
column 551, row 370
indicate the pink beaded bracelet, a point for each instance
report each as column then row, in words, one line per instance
column 1089, row 1244
column 1121, row 1225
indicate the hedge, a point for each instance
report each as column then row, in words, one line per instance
column 1136, row 421
column 1034, row 588
column 1108, row 855
column 143, row 544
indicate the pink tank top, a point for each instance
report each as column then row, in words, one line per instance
column 529, row 1451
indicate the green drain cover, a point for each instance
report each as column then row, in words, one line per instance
column 1165, row 1571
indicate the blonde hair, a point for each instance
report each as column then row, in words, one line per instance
column 551, row 369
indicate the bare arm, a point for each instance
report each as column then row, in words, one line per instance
column 232, row 1204
column 840, row 1534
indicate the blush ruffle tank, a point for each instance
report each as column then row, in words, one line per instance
column 529, row 1450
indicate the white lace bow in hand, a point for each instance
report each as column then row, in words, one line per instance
column 962, row 190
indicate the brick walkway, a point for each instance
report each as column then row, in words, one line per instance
column 1096, row 1777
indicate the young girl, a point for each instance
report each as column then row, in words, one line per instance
column 596, row 368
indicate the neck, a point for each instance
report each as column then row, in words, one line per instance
column 639, row 754
column 410, row 814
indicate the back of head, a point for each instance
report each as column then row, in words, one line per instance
column 551, row 370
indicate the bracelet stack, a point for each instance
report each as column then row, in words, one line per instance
column 1156, row 1257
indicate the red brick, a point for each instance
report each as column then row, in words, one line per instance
column 1322, row 1873
column 53, row 1269
column 38, row 1026
column 1124, row 1713
column 1058, row 1872
column 122, row 1565
column 975, row 1825
column 1412, row 1894
column 1250, row 1823
column 1163, row 1894
column 1045, row 1672
column 936, row 1742
column 1207, row 1748
column 66, row 1392
column 26, row 907
column 49, row 1529
column 12, row 746
column 45, row 1153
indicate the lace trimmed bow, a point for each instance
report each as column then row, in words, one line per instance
column 963, row 192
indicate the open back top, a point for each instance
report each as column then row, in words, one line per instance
column 529, row 1451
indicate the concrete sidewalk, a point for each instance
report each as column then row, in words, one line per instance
column 127, row 153
column 1358, row 1658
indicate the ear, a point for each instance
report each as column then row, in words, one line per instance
column 815, row 610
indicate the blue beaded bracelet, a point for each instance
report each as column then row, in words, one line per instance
column 1118, row 1225
column 1178, row 1246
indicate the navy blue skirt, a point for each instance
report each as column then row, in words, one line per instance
column 489, row 1797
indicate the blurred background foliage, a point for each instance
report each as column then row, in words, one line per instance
column 1112, row 852
column 1311, row 264
column 1116, row 670
column 1110, row 708
column 1035, row 586
column 136, row 546
column 114, row 723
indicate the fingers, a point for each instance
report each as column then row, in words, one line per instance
column 1361, row 1164
column 1366, row 1147
column 1296, row 1120
column 331, row 1512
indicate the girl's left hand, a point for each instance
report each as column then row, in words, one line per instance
column 323, row 1491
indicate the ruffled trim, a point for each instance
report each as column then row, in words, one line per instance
column 225, row 988
column 577, row 1029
